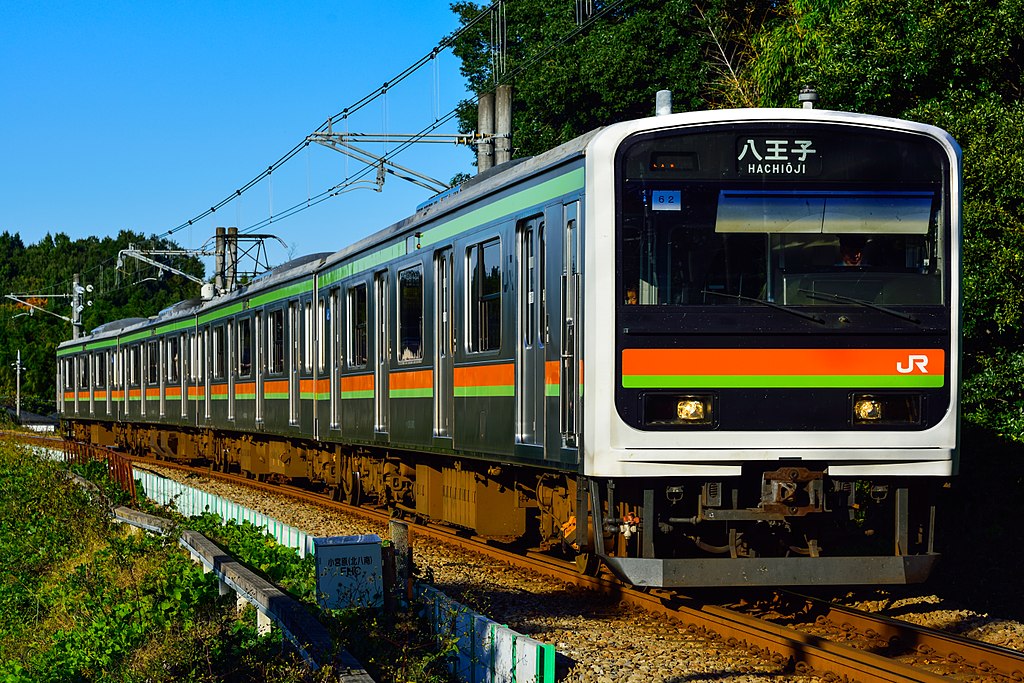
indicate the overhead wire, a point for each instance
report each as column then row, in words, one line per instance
column 361, row 173
column 445, row 43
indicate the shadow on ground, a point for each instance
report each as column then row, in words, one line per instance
column 981, row 527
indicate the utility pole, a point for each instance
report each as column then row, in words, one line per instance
column 18, row 367
column 227, row 257
column 77, row 306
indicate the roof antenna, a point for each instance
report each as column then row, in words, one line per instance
column 807, row 97
column 663, row 103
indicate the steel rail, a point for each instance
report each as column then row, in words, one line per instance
column 904, row 638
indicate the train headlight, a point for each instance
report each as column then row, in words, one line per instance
column 867, row 410
column 674, row 411
column 690, row 410
column 891, row 410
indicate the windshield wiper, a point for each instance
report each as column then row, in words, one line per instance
column 849, row 299
column 769, row 304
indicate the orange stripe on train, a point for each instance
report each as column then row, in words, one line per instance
column 503, row 374
column 414, row 379
column 781, row 361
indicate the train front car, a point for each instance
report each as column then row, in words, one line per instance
column 771, row 346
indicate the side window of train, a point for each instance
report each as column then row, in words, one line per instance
column 324, row 318
column 543, row 273
column 153, row 363
column 199, row 357
column 192, row 369
column 410, row 314
column 134, row 365
column 275, row 325
column 483, row 298
column 83, row 372
column 357, row 343
column 307, row 336
column 173, row 359
column 245, row 347
column 101, row 369
column 219, row 352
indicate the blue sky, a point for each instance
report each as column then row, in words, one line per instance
column 142, row 115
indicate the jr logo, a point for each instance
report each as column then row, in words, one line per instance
column 921, row 362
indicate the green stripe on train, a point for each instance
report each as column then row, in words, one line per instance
column 781, row 381
column 469, row 392
column 538, row 194
column 365, row 263
column 368, row 393
column 412, row 393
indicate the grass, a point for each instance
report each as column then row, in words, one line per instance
column 86, row 599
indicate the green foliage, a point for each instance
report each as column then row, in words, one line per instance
column 45, row 520
column 109, row 490
column 81, row 600
column 393, row 646
column 994, row 394
column 887, row 59
column 608, row 71
column 786, row 48
column 48, row 267
column 252, row 545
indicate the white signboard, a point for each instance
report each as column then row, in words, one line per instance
column 349, row 572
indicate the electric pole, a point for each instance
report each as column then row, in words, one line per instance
column 18, row 367
column 77, row 291
column 76, row 308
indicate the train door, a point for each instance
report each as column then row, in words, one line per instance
column 258, row 365
column 227, row 365
column 164, row 374
column 207, row 373
column 121, row 399
column 334, row 319
column 570, row 384
column 530, row 349
column 382, row 344
column 323, row 333
column 294, row 345
column 193, row 377
column 146, row 378
column 108, row 362
column 444, row 345
column 185, row 367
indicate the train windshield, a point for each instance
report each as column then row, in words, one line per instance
column 809, row 216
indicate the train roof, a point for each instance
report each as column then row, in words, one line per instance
column 490, row 181
column 481, row 185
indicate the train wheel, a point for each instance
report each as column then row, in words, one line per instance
column 352, row 490
column 588, row 564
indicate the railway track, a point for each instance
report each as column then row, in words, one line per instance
column 804, row 634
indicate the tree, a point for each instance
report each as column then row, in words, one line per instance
column 573, row 73
column 48, row 267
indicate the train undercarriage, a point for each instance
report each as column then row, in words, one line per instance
column 778, row 524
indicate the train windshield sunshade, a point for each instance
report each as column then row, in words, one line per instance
column 907, row 213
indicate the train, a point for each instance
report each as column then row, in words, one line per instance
column 716, row 348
